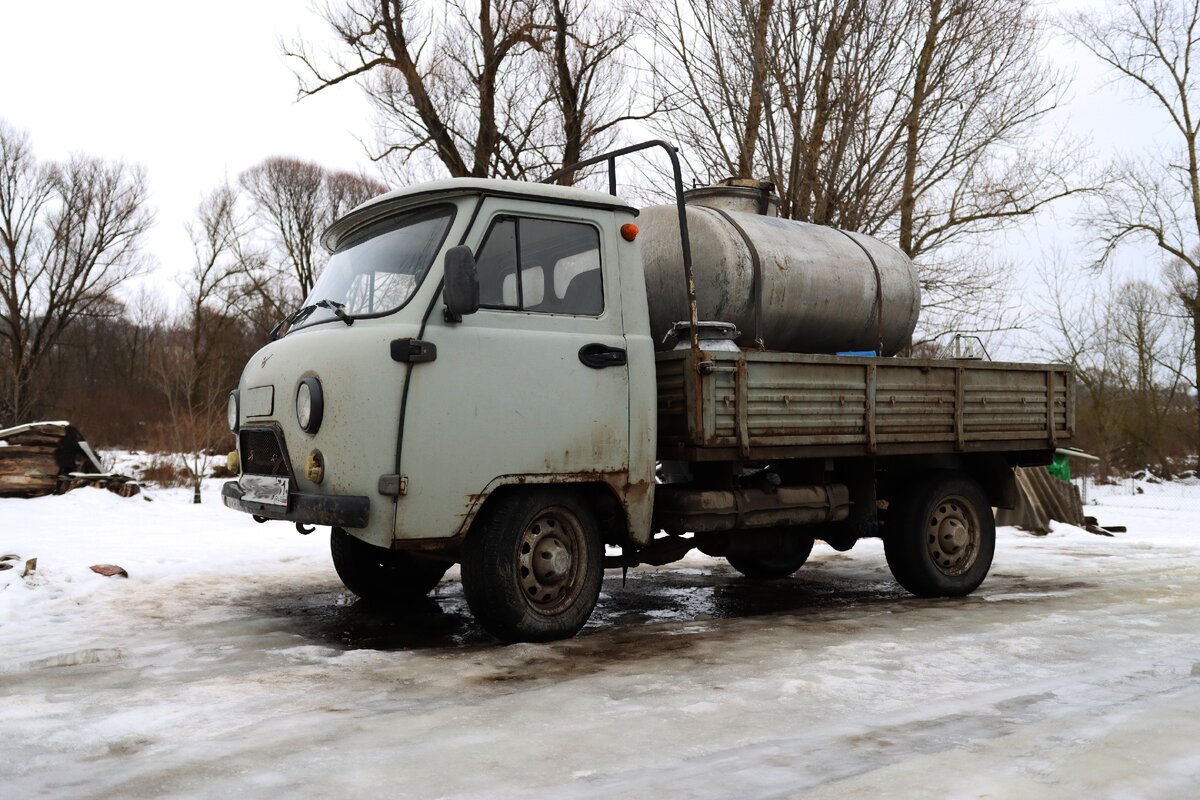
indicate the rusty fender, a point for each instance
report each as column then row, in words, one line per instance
column 628, row 494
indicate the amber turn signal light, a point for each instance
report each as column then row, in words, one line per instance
column 314, row 466
column 629, row 231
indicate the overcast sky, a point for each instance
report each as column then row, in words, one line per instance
column 194, row 91
column 200, row 91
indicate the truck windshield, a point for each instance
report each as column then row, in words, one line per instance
column 377, row 268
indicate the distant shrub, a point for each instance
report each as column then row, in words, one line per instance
column 223, row 471
column 165, row 472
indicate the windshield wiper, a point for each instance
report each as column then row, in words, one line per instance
column 305, row 312
column 298, row 315
column 338, row 309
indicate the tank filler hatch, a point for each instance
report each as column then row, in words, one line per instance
column 746, row 195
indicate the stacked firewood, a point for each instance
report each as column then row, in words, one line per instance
column 41, row 458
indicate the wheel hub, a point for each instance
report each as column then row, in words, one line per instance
column 952, row 536
column 551, row 561
column 547, row 561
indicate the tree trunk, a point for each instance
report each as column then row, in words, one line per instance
column 912, row 126
column 754, row 109
column 815, row 208
column 1195, row 309
column 568, row 96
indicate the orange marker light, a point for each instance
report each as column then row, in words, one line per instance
column 629, row 231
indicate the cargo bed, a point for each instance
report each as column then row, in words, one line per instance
column 767, row 405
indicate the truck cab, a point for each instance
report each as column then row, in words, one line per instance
column 395, row 419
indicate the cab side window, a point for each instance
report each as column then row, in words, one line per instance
column 541, row 265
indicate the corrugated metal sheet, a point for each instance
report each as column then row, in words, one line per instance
column 1042, row 498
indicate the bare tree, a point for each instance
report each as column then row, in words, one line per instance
column 1077, row 332
column 1150, row 340
column 70, row 233
column 144, row 315
column 700, row 76
column 1153, row 46
column 480, row 88
column 1128, row 348
column 286, row 196
column 439, row 79
column 973, row 161
column 293, row 202
column 587, row 79
column 912, row 121
column 756, row 100
column 192, row 371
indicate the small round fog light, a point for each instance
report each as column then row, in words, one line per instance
column 314, row 466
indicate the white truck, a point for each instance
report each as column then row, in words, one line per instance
column 512, row 376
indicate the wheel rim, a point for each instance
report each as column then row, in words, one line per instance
column 952, row 535
column 550, row 559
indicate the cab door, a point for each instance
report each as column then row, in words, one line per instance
column 535, row 385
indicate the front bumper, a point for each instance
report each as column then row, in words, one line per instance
column 341, row 511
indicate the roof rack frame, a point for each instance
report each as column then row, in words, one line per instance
column 672, row 153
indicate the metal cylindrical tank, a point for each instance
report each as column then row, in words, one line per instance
column 822, row 290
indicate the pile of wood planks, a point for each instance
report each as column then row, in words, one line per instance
column 41, row 458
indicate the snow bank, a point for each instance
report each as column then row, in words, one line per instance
column 162, row 540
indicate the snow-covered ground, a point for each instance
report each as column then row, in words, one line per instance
column 232, row 661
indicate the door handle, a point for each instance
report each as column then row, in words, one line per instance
column 413, row 351
column 599, row 356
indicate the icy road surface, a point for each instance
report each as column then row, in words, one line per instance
column 232, row 663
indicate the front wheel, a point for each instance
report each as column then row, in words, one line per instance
column 940, row 539
column 532, row 567
column 381, row 575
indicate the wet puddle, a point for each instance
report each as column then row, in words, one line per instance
column 652, row 603
column 682, row 596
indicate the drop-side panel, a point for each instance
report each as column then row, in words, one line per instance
column 757, row 405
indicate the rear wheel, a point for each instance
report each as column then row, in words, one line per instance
column 780, row 563
column 940, row 538
column 532, row 567
column 381, row 575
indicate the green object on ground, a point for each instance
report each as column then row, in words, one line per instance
column 1061, row 468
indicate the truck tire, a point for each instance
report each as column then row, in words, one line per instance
column 774, row 565
column 940, row 537
column 532, row 567
column 381, row 575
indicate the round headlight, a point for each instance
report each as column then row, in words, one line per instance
column 309, row 405
column 304, row 405
column 231, row 411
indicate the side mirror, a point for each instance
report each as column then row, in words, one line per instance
column 461, row 292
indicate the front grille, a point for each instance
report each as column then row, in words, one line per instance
column 262, row 453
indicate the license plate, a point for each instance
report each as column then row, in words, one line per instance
column 265, row 489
